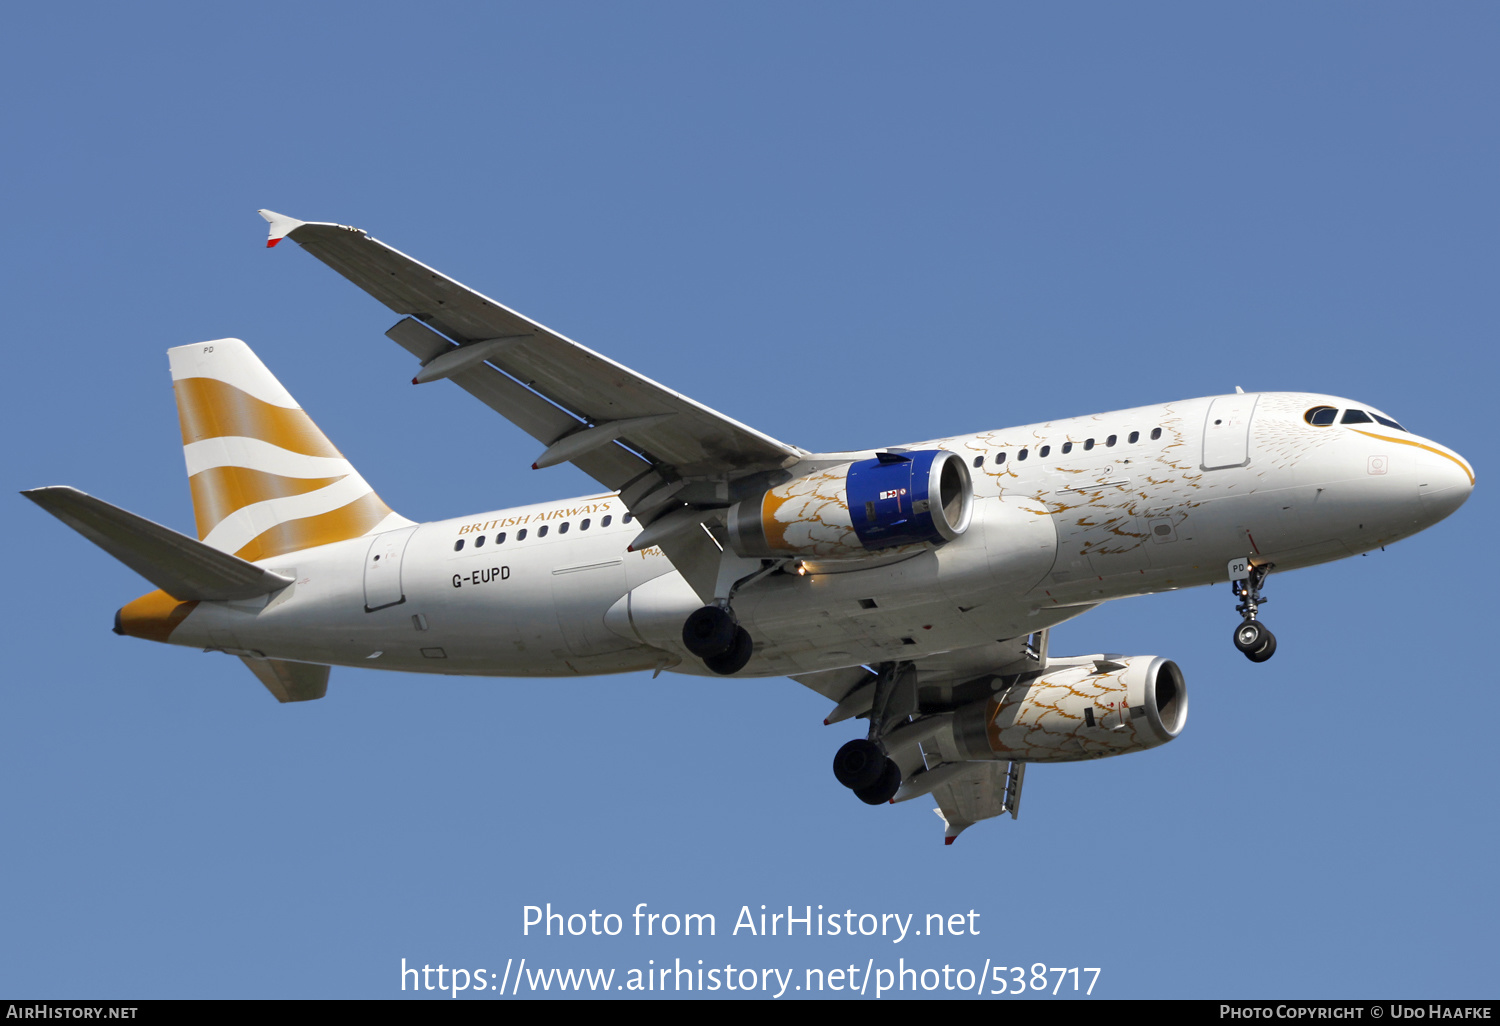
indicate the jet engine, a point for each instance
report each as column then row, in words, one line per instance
column 857, row 508
column 1093, row 707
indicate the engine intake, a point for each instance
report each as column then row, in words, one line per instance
column 858, row 508
column 1096, row 707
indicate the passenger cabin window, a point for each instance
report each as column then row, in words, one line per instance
column 521, row 534
column 458, row 546
column 1110, row 442
column 1043, row 452
column 606, row 520
column 500, row 538
column 1355, row 417
column 1021, row 455
column 1067, row 447
column 1155, row 434
column 479, row 542
column 541, row 532
column 562, row 528
column 583, row 525
column 978, row 461
column 1088, row 444
column 1321, row 416
column 627, row 518
column 999, row 458
column 1135, row 436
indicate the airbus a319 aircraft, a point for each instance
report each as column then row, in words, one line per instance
column 913, row 586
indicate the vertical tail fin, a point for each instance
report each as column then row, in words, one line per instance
column 265, row 480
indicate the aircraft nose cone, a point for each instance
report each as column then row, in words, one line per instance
column 1444, row 483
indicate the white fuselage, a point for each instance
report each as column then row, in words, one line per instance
column 1053, row 534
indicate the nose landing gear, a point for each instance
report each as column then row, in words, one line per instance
column 1253, row 637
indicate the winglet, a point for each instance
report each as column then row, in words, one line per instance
column 281, row 226
column 952, row 825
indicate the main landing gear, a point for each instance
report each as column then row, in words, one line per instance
column 715, row 636
column 1253, row 637
column 862, row 765
column 713, row 633
column 863, row 768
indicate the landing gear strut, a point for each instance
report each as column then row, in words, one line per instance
column 1253, row 637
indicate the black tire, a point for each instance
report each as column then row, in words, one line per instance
column 1250, row 636
column 709, row 632
column 884, row 789
column 735, row 659
column 859, row 764
column 1266, row 651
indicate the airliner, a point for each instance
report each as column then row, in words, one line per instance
column 914, row 586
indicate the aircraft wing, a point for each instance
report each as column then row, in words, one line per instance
column 614, row 424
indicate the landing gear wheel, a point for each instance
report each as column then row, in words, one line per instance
column 859, row 764
column 884, row 789
column 710, row 631
column 734, row 660
column 1250, row 636
column 1266, row 651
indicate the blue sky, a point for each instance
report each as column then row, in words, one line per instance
column 848, row 225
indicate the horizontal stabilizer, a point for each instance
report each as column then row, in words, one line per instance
column 183, row 567
column 290, row 682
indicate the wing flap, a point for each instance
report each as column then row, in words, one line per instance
column 183, row 567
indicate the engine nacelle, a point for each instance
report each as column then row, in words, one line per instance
column 858, row 508
column 1095, row 707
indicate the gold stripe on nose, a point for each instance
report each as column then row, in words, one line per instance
column 1407, row 441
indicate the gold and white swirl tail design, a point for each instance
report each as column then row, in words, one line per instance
column 265, row 480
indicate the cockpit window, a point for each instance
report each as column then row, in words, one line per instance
column 1321, row 416
column 1355, row 417
column 1388, row 422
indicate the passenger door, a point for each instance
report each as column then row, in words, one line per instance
column 383, row 569
column 1226, row 432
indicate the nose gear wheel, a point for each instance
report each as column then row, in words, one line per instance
column 1253, row 637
